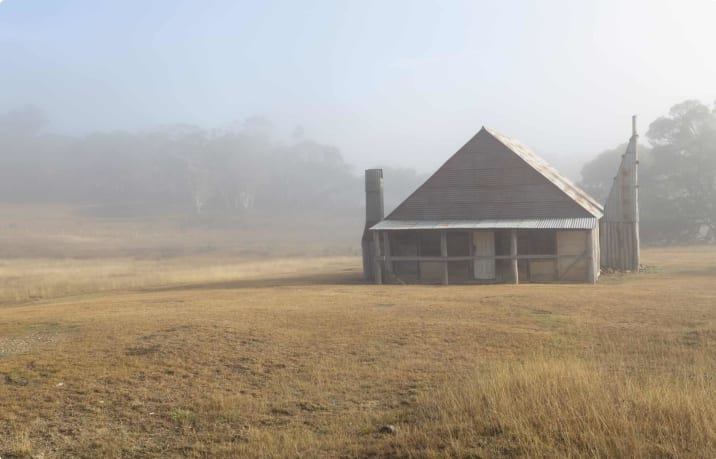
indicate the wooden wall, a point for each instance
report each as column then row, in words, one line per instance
column 619, row 228
column 574, row 257
column 578, row 256
column 620, row 245
column 572, row 263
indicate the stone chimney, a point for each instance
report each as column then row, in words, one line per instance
column 374, row 212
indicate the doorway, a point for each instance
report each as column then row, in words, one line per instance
column 483, row 243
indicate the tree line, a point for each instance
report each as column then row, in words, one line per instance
column 229, row 172
column 245, row 170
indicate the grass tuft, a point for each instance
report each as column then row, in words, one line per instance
column 183, row 416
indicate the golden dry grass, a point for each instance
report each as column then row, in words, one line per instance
column 24, row 279
column 238, row 362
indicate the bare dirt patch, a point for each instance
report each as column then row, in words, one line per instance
column 30, row 338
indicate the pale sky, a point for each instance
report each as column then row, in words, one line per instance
column 402, row 83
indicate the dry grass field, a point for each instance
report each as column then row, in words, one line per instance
column 294, row 357
column 60, row 231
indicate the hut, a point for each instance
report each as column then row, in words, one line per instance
column 494, row 212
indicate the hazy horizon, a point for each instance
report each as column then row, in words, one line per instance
column 401, row 84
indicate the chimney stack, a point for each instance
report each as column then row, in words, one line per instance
column 373, row 214
column 633, row 125
column 374, row 211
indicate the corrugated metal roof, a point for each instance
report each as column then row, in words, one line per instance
column 493, row 177
column 581, row 223
column 550, row 173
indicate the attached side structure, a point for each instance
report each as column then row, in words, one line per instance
column 619, row 228
column 494, row 212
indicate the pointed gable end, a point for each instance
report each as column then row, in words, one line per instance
column 495, row 177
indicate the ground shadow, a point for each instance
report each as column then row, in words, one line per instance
column 708, row 271
column 345, row 277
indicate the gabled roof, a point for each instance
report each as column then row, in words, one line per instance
column 494, row 177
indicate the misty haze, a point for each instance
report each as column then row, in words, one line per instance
column 357, row 229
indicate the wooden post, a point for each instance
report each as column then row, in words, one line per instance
column 444, row 254
column 471, row 252
column 637, row 242
column 513, row 255
column 591, row 278
column 416, row 235
column 386, row 251
column 377, row 265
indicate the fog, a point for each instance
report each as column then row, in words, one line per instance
column 402, row 82
column 223, row 106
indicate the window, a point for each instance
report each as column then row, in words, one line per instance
column 543, row 242
column 502, row 242
column 430, row 243
column 458, row 244
column 529, row 242
column 403, row 243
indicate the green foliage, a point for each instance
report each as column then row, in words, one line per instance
column 182, row 416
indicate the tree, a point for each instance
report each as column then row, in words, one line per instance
column 212, row 174
column 680, row 191
column 22, row 122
